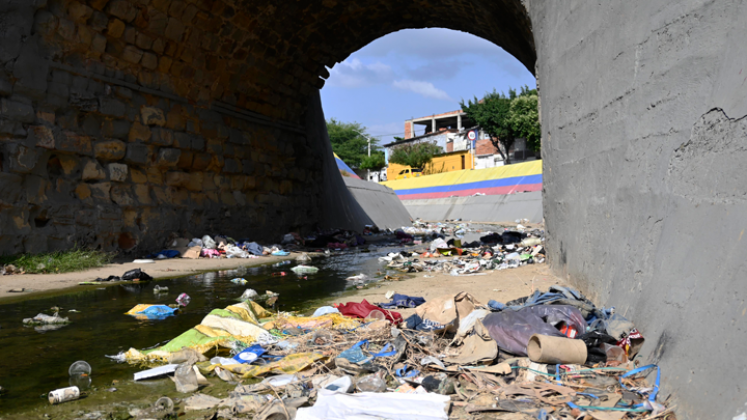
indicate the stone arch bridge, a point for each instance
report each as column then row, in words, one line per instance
column 122, row 121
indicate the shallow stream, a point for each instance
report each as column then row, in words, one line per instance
column 32, row 363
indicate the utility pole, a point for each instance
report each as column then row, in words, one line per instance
column 368, row 171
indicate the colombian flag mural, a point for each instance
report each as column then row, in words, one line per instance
column 343, row 167
column 509, row 179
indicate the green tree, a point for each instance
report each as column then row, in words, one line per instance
column 524, row 120
column 415, row 155
column 374, row 162
column 349, row 142
column 506, row 117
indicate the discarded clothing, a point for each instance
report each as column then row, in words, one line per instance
column 513, row 329
column 145, row 311
column 332, row 405
column 363, row 310
column 166, row 253
column 415, row 322
column 557, row 295
column 403, row 301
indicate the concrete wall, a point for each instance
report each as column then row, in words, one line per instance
column 644, row 148
column 380, row 203
column 489, row 208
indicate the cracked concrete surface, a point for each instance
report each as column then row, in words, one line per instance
column 644, row 178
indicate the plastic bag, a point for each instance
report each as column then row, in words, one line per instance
column 183, row 299
column 208, row 242
column 136, row 275
column 185, row 379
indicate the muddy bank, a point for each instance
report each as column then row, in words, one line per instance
column 42, row 285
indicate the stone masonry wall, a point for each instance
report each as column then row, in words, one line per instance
column 97, row 149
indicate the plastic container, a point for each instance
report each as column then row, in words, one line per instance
column 371, row 383
column 344, row 384
column 79, row 368
column 375, row 316
column 164, row 404
column 615, row 353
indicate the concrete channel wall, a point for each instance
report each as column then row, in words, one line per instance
column 644, row 149
column 488, row 208
column 380, row 203
column 346, row 202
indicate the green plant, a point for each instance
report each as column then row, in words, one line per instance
column 374, row 162
column 414, row 155
column 350, row 142
column 506, row 117
column 58, row 262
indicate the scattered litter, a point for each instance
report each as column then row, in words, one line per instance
column 156, row 372
column 249, row 294
column 160, row 289
column 44, row 319
column 183, row 299
column 62, row 395
column 146, row 311
column 304, row 269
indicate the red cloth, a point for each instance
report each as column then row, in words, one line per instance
column 361, row 310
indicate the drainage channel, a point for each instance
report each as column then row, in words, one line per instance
column 34, row 362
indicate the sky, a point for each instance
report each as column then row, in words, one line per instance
column 414, row 73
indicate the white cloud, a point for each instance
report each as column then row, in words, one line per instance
column 443, row 44
column 354, row 73
column 422, row 88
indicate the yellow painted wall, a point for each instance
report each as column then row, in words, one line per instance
column 443, row 163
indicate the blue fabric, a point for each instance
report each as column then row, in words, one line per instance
column 415, row 322
column 496, row 306
column 355, row 354
column 167, row 253
column 158, row 311
column 403, row 301
column 280, row 253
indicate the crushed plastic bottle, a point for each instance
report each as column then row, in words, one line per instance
column 183, row 299
column 160, row 289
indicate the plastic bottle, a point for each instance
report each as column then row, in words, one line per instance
column 371, row 383
column 64, row 394
column 615, row 353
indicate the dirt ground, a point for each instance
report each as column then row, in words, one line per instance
column 503, row 286
column 40, row 284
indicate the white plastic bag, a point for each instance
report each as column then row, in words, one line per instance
column 208, row 242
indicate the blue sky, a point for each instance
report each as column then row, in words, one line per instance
column 414, row 73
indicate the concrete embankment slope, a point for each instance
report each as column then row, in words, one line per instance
column 347, row 202
column 489, row 208
column 643, row 143
column 380, row 203
column 497, row 194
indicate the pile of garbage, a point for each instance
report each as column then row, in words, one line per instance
column 495, row 251
column 550, row 355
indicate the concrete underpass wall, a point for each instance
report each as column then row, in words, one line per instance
column 488, row 208
column 380, row 203
column 644, row 149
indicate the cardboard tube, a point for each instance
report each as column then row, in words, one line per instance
column 556, row 350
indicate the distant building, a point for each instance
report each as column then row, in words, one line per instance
column 461, row 152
